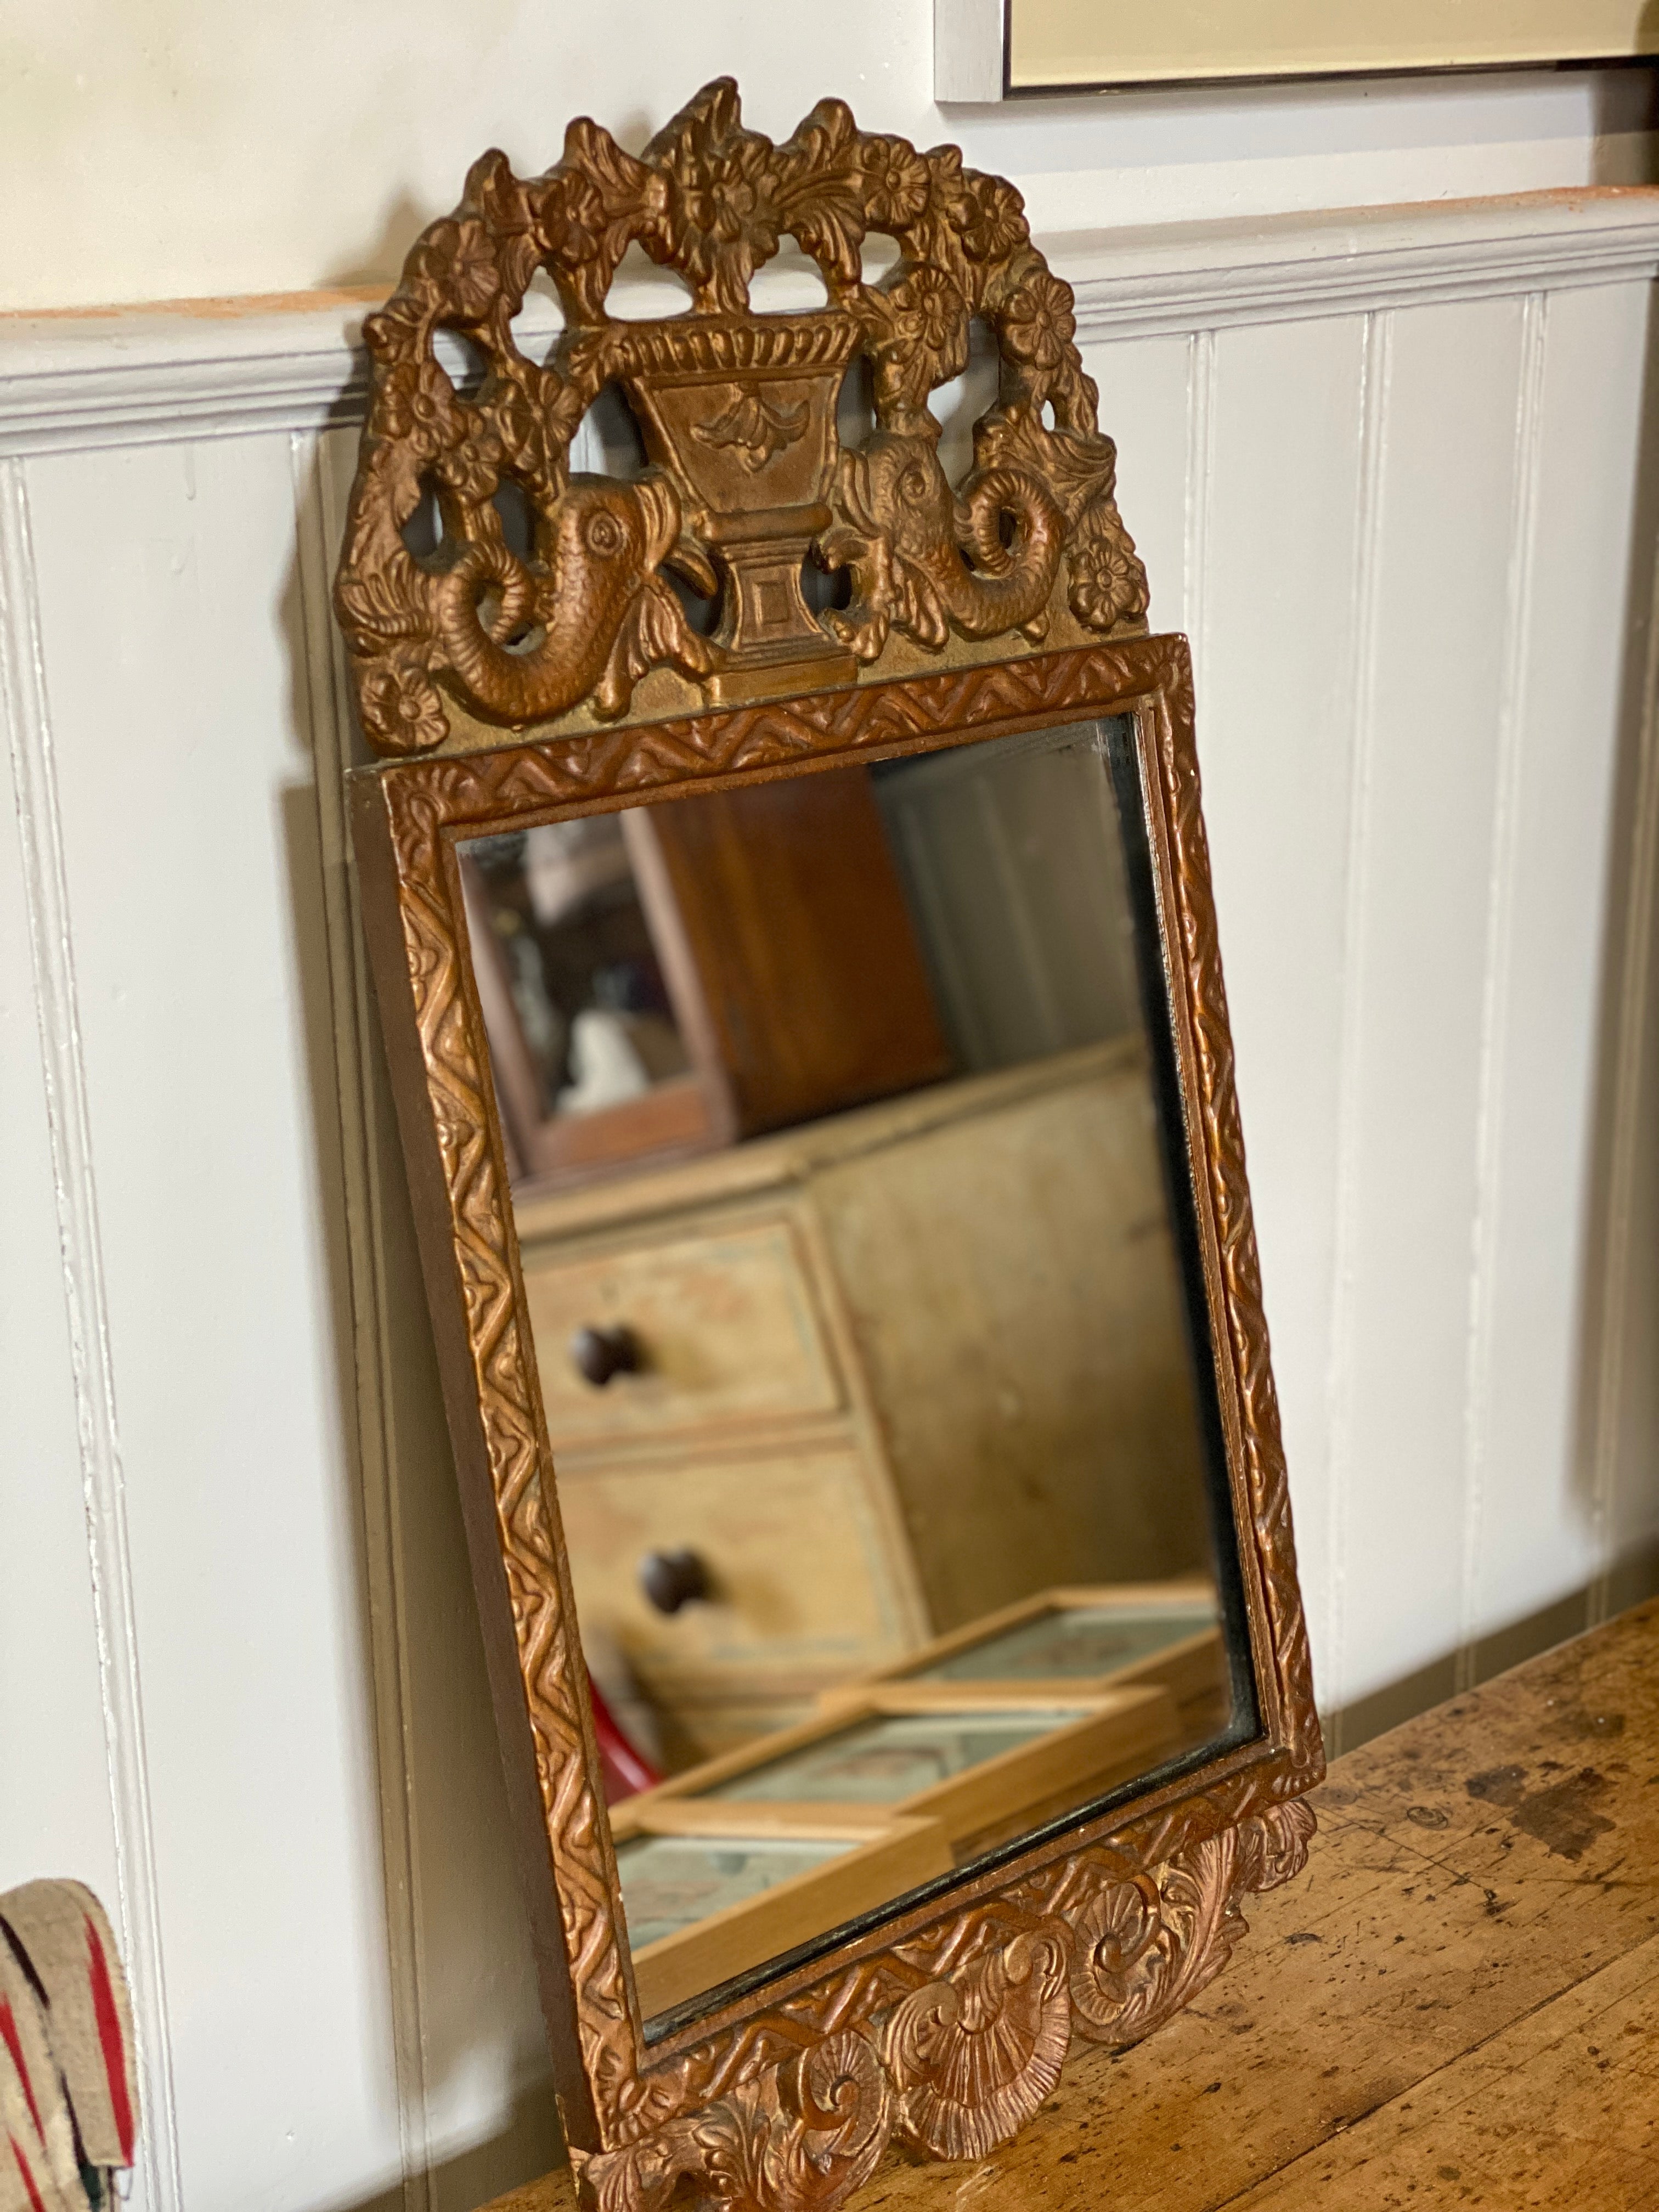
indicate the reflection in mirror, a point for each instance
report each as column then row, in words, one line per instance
column 857, row 1239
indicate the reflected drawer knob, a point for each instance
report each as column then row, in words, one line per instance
column 597, row 1354
column 671, row 1579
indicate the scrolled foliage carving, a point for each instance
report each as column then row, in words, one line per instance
column 973, row 2056
column 799, row 2138
column 965, row 2056
column 738, row 414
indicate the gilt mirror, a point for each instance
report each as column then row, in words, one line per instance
column 787, row 892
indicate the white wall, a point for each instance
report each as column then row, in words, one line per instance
column 1393, row 475
column 151, row 152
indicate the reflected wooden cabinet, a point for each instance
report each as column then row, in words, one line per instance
column 749, row 929
column 802, row 1415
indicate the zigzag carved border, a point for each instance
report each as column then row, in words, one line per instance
column 788, row 2100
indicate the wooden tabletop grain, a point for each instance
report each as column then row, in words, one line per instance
column 1457, row 2004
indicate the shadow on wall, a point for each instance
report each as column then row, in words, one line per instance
column 1618, row 1300
column 465, row 2028
column 1634, row 1580
column 380, row 263
column 1616, row 1411
column 1625, row 104
column 405, row 218
column 472, row 2178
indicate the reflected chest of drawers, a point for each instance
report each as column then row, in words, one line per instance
column 895, row 1370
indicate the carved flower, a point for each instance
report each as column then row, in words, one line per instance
column 1108, row 584
column 718, row 197
column 931, row 316
column 472, row 468
column 992, row 219
column 720, row 219
column 416, row 405
column 894, row 182
column 1038, row 324
column 728, row 201
column 458, row 258
column 570, row 216
column 401, row 710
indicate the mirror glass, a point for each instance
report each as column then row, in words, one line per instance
column 857, row 1234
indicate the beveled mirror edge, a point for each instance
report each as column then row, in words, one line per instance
column 809, row 2079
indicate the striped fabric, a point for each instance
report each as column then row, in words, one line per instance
column 69, row 2091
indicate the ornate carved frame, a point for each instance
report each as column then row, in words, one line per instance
column 943, row 2026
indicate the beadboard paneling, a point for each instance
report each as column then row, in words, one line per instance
column 1144, row 398
column 188, row 836
column 1539, row 1515
column 1421, row 857
column 51, row 1713
column 1284, row 495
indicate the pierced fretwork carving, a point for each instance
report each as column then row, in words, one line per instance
column 746, row 478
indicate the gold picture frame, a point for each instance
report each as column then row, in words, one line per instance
column 855, row 1861
column 993, row 50
column 1190, row 1663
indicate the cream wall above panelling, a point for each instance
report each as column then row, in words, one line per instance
column 152, row 153
column 1392, row 471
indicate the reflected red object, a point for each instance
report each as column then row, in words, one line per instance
column 626, row 1771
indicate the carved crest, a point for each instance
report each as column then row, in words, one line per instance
column 746, row 480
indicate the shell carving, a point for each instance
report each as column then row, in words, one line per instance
column 545, row 591
column 972, row 2058
column 976, row 2046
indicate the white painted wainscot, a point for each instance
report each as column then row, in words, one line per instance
column 1396, row 474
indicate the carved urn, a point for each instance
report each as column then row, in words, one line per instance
column 741, row 415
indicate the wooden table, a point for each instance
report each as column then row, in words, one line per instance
column 1457, row 2004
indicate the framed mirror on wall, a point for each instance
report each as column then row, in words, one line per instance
column 786, row 886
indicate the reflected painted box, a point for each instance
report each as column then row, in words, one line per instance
column 984, row 1764
column 702, row 1907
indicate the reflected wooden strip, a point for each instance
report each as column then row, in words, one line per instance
column 874, row 1861
column 1089, row 1745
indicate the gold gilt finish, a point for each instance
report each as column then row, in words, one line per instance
column 1019, row 598
column 746, row 478
column 945, row 2025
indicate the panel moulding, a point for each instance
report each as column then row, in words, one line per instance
column 26, row 714
column 139, row 375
